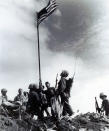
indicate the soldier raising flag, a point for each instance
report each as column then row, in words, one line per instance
column 41, row 15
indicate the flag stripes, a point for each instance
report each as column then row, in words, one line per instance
column 45, row 12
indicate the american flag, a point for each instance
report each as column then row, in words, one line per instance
column 45, row 12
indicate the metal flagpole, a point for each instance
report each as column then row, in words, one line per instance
column 41, row 15
column 40, row 81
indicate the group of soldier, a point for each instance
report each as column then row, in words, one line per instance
column 41, row 100
column 46, row 100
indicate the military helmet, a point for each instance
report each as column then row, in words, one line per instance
column 102, row 95
column 64, row 73
column 3, row 90
column 33, row 86
column 47, row 82
column 20, row 89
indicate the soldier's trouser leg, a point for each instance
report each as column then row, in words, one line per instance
column 47, row 112
column 38, row 111
column 67, row 109
column 107, row 113
column 40, row 115
column 45, row 108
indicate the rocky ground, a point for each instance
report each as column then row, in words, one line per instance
column 82, row 122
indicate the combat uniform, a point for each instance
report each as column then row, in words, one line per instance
column 3, row 99
column 20, row 98
column 105, row 106
column 50, row 93
column 64, row 92
column 34, row 102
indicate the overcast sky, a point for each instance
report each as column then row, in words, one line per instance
column 78, row 29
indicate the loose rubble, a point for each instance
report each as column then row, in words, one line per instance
column 82, row 122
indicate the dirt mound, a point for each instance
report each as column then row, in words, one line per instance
column 82, row 122
column 9, row 124
column 91, row 122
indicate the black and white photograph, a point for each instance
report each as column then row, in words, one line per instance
column 54, row 65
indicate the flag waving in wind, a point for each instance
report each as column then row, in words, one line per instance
column 45, row 12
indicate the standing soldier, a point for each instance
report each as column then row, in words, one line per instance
column 105, row 104
column 67, row 108
column 50, row 93
column 34, row 102
column 64, row 88
column 62, row 85
column 60, row 92
column 19, row 100
column 20, row 97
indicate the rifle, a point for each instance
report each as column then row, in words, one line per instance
column 20, row 112
column 56, row 81
column 74, row 69
column 98, row 109
column 4, row 110
column 73, row 76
